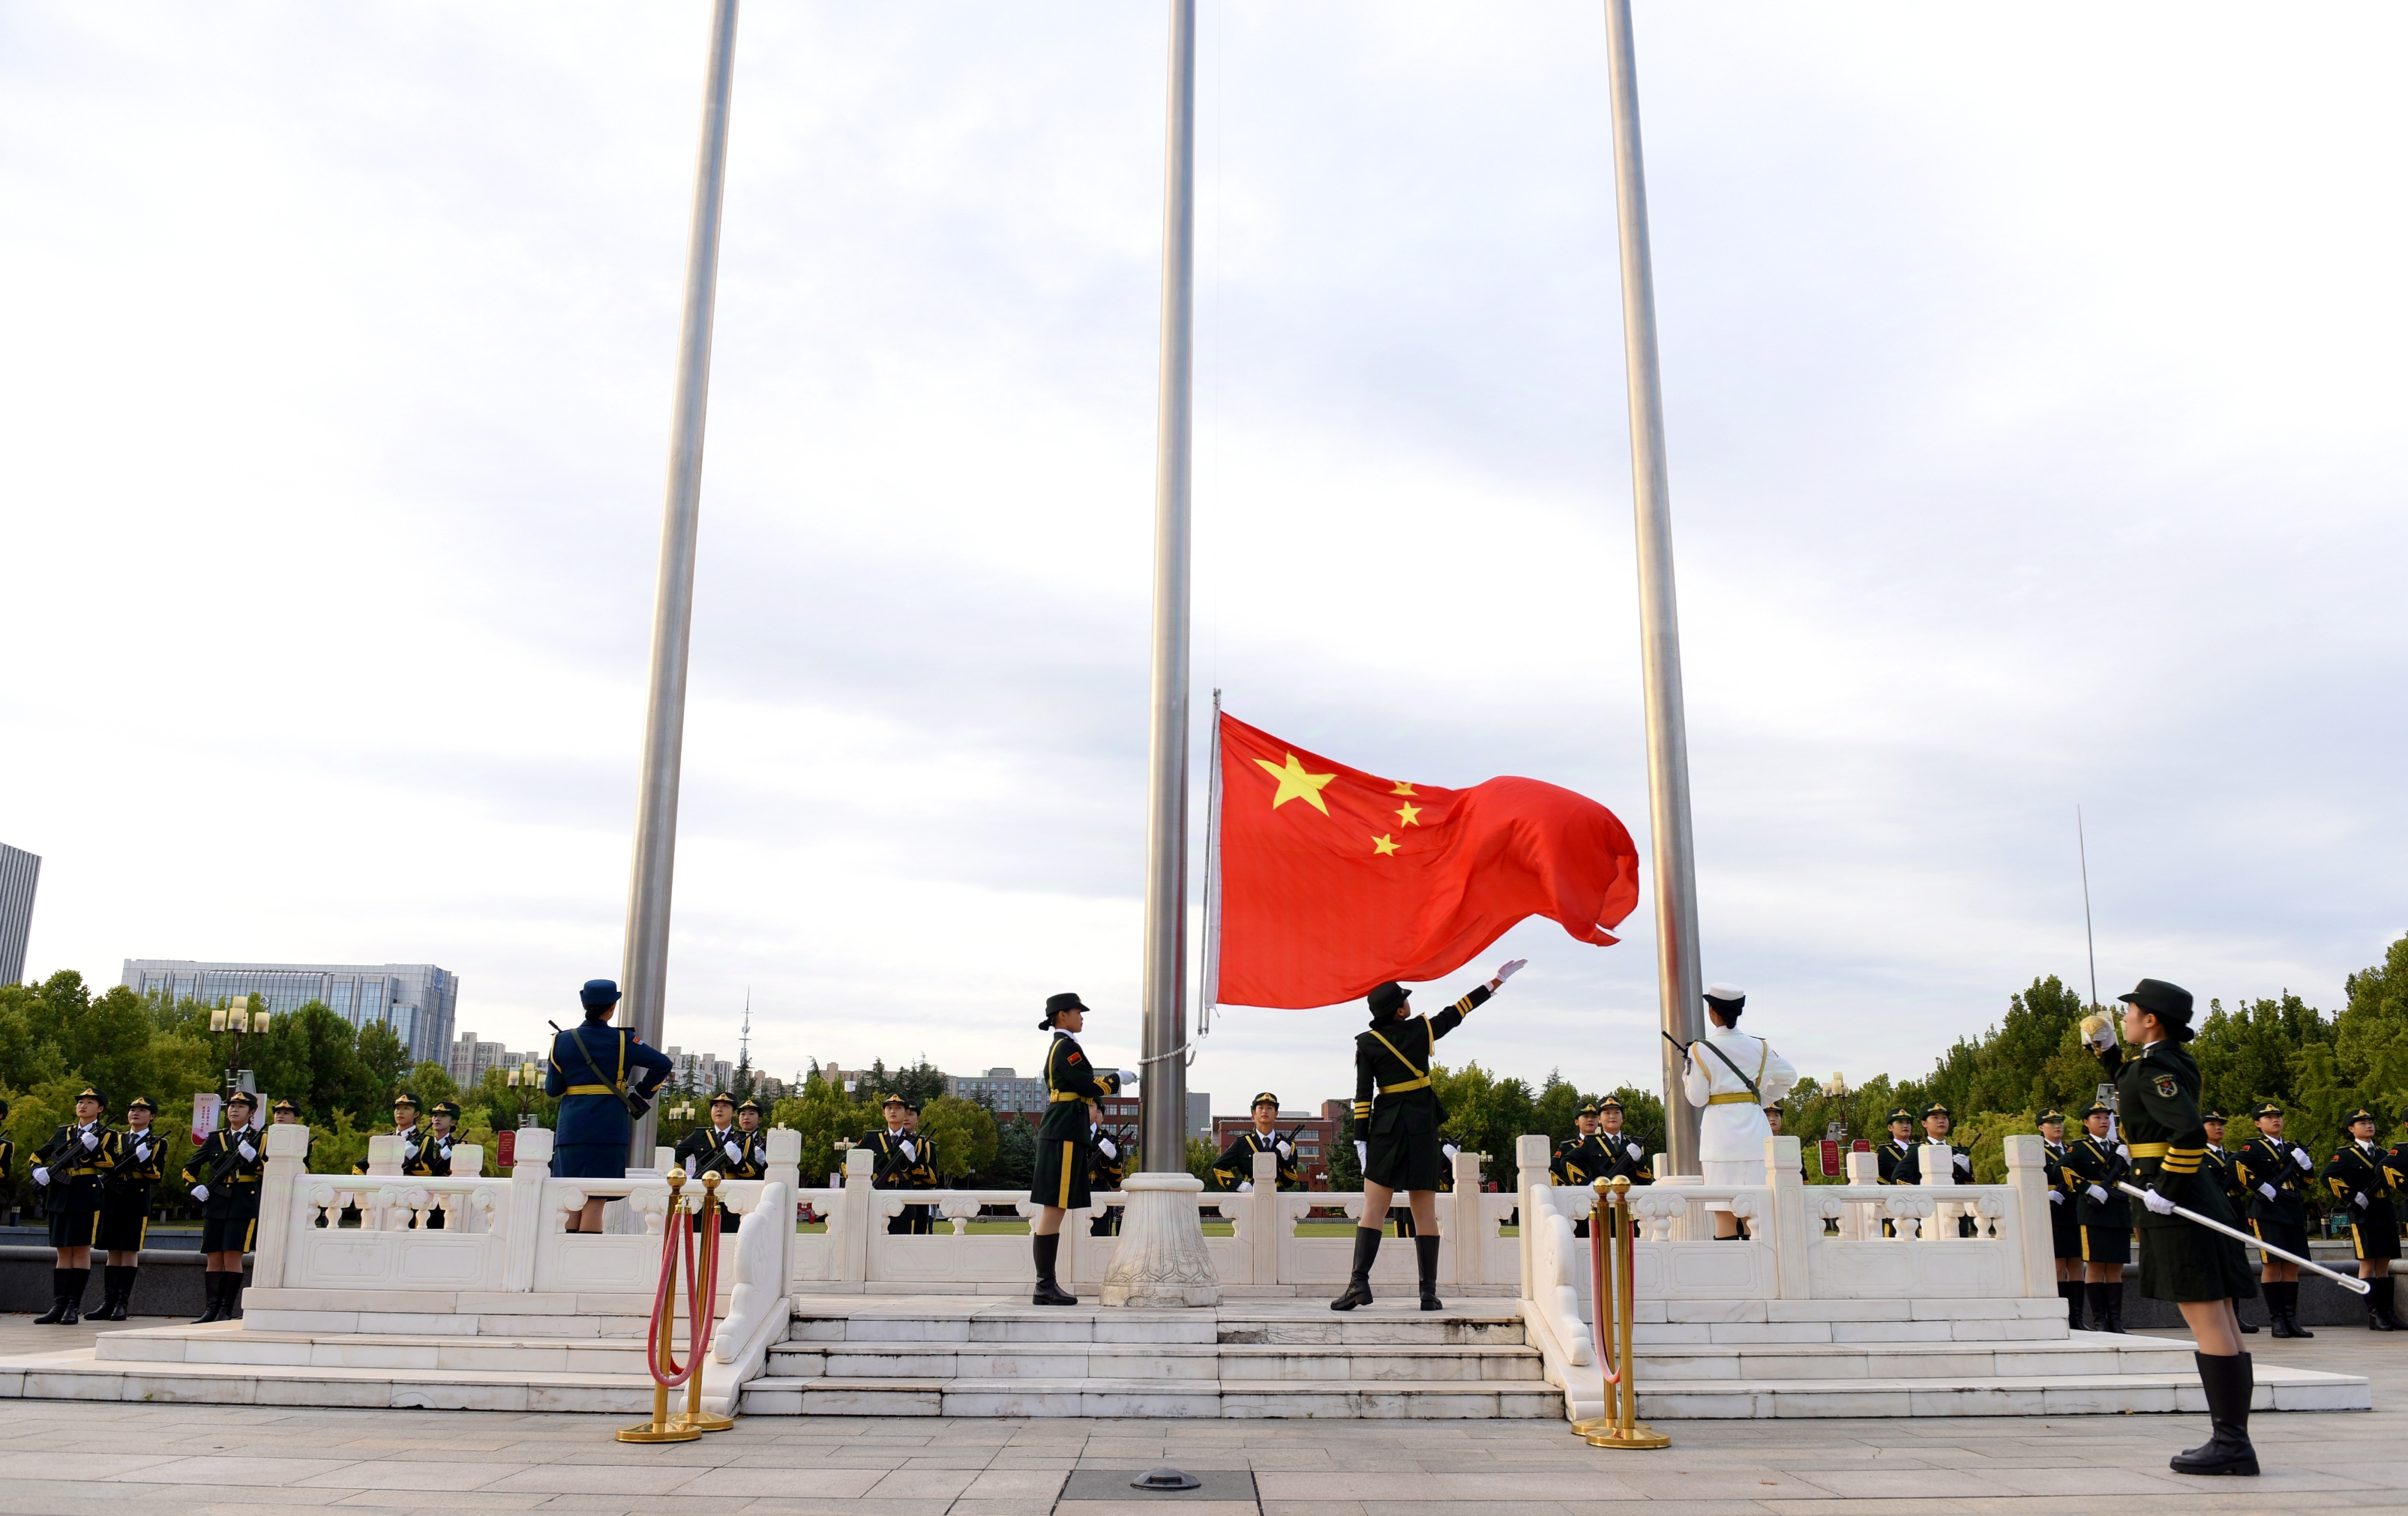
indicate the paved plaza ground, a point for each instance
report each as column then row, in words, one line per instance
column 62, row 1456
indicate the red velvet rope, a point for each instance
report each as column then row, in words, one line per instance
column 1598, row 1240
column 702, row 1294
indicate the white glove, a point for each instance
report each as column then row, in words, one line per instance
column 1362, row 1153
column 248, row 1152
column 2056, row 1197
column 2098, row 1194
column 1107, row 1147
column 1964, row 1163
column 1506, row 971
column 200, row 1192
column 2359, row 1200
column 1124, row 1079
column 908, row 1150
column 41, row 1176
column 1245, row 1186
column 1632, row 1149
column 1450, row 1150
column 2101, row 1031
column 2124, row 1152
column 409, row 1151
column 1284, row 1151
column 142, row 1152
column 2158, row 1204
column 2267, row 1191
column 689, row 1168
column 2299, row 1156
column 91, row 1142
column 736, row 1153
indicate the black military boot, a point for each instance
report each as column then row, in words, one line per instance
column 58, row 1312
column 2115, row 1309
column 1358, row 1284
column 1047, row 1248
column 1426, row 1261
column 2229, row 1384
column 2378, row 1306
column 2292, row 1309
column 213, row 1309
column 233, row 1297
column 78, row 1280
column 2071, row 1292
column 121, row 1294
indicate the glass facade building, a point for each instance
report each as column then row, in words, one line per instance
column 417, row 1000
column 20, row 871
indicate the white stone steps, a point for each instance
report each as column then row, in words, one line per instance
column 1330, row 1399
column 385, row 1351
column 1153, row 1360
column 2071, row 1394
column 2085, row 1353
column 80, row 1376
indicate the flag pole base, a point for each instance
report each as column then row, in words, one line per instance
column 1639, row 1435
column 703, row 1420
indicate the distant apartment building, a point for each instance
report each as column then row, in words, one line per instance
column 700, row 1072
column 20, row 871
column 999, row 1089
column 471, row 1058
column 1315, row 1134
column 417, row 1000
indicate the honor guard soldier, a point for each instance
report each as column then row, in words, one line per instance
column 1063, row 1162
column 1109, row 1172
column 1773, row 1116
column 125, row 1205
column 1395, row 1104
column 2098, row 1163
column 589, row 1075
column 1579, row 1158
column 1235, row 1168
column 2064, row 1222
column 223, row 1176
column 898, row 1153
column 2277, row 1173
column 924, row 1173
column 285, row 1113
column 719, row 1146
column 1901, row 1142
column 405, row 1126
column 68, row 1171
column 1936, row 1124
column 2228, row 1181
column 1730, row 1077
column 442, row 1124
column 2200, row 1271
column 2360, row 1176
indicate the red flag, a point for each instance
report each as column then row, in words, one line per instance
column 1333, row 880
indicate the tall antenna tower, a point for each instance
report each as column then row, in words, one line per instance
column 744, row 1038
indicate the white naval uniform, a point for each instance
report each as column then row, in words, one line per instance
column 1731, row 1136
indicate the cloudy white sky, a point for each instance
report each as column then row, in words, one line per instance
column 2035, row 411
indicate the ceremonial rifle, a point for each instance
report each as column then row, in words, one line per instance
column 2347, row 1282
column 63, row 1150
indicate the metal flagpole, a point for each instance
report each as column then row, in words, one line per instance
column 1208, row 1000
column 644, row 972
column 1681, row 985
column 1162, row 1068
column 2089, row 941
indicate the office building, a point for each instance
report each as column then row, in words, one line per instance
column 999, row 1089
column 18, row 872
column 416, row 1000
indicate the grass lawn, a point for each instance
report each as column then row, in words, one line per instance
column 993, row 1226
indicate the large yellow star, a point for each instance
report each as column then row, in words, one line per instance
column 1402, row 788
column 1295, row 784
column 1380, row 845
column 1409, row 815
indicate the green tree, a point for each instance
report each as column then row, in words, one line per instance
column 431, row 1082
column 1015, row 1154
column 965, row 1134
column 824, row 1115
column 1345, row 1173
column 385, row 1057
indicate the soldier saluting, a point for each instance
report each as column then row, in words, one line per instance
column 1062, row 1154
column 2360, row 1176
column 2277, row 1173
column 1395, row 1105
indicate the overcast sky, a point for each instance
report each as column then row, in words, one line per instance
column 2034, row 391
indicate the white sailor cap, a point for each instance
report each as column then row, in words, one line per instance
column 1728, row 995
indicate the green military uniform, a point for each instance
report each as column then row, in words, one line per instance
column 2366, row 1190
column 1065, row 1159
column 224, row 1178
column 2156, row 1091
column 2064, row 1219
column 1887, row 1156
column 2282, row 1167
column 1235, row 1168
column 896, row 1165
column 2106, row 1217
column 705, row 1151
column 69, row 1169
column 1909, row 1168
column 1393, row 1094
column 125, row 1205
column 1109, row 1172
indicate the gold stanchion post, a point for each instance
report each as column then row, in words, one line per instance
column 695, row 1417
column 1600, row 1306
column 1628, row 1431
column 664, row 1428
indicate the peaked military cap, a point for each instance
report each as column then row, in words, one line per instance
column 2096, row 1108
column 721, row 1097
column 1266, row 1098
column 889, row 1100
column 1589, row 1109
column 1936, row 1108
column 140, row 1101
column 88, row 1093
column 752, row 1105
column 244, row 1098
column 911, row 1105
column 446, row 1107
column 1609, row 1102
column 283, row 1106
column 405, row 1099
column 2049, row 1116
column 1901, row 1114
column 2269, row 1109
column 2211, row 1114
column 1387, row 999
column 2362, row 1114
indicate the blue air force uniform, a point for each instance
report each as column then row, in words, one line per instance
column 592, row 1067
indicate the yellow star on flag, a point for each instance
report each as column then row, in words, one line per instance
column 1409, row 815
column 1402, row 788
column 1295, row 784
column 1380, row 845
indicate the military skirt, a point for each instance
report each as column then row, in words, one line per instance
column 1061, row 1168
column 2375, row 1230
column 1401, row 1149
column 2108, row 1244
column 2186, row 1262
column 124, row 1217
column 2064, row 1231
column 2291, row 1237
column 230, row 1219
column 75, row 1212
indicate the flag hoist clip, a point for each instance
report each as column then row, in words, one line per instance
column 702, row 1279
column 1612, row 1236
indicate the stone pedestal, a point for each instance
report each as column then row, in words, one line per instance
column 1161, row 1260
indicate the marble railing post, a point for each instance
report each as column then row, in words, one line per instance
column 785, row 1166
column 1857, row 1227
column 1788, row 1217
column 1459, row 1260
column 1531, row 1155
column 851, row 1221
column 522, row 1219
column 2027, row 1175
column 384, row 1156
column 1938, row 1161
column 286, row 1148
column 1262, row 1223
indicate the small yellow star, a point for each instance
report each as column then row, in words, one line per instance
column 1295, row 783
column 1409, row 815
column 1380, row 845
column 1402, row 788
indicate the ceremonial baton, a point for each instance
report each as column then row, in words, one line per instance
column 2355, row 1285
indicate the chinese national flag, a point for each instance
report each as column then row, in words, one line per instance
column 1333, row 880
